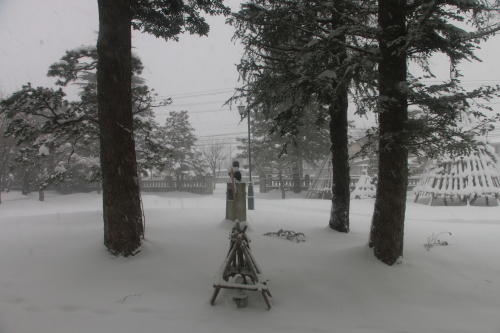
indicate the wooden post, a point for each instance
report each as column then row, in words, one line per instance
column 241, row 264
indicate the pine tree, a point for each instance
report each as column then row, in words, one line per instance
column 36, row 117
column 386, row 234
column 75, row 68
column 123, row 220
column 165, row 19
column 300, row 54
column 414, row 31
column 181, row 141
column 297, row 51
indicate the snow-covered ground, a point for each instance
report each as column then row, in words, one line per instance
column 56, row 276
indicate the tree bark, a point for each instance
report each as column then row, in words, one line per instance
column 339, row 215
column 121, row 194
column 387, row 230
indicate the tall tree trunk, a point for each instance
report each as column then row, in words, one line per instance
column 387, row 230
column 339, row 215
column 121, row 195
column 41, row 195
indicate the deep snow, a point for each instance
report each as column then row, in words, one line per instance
column 56, row 276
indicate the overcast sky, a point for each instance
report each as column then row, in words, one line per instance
column 199, row 73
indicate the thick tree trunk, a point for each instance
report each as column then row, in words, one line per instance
column 339, row 215
column 41, row 195
column 121, row 195
column 387, row 231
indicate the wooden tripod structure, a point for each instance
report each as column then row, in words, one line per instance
column 240, row 261
column 322, row 183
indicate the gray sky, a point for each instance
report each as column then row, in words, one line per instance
column 199, row 73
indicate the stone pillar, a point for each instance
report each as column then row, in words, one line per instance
column 240, row 202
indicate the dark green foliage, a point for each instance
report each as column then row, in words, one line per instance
column 417, row 31
column 42, row 116
column 162, row 18
column 48, row 130
column 80, row 64
column 300, row 53
column 169, row 18
column 291, row 61
column 306, row 55
column 179, row 138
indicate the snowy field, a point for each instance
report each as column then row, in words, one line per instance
column 56, row 276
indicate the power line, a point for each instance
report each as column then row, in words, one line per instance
column 216, row 135
column 193, row 112
column 202, row 94
column 227, row 90
column 190, row 104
